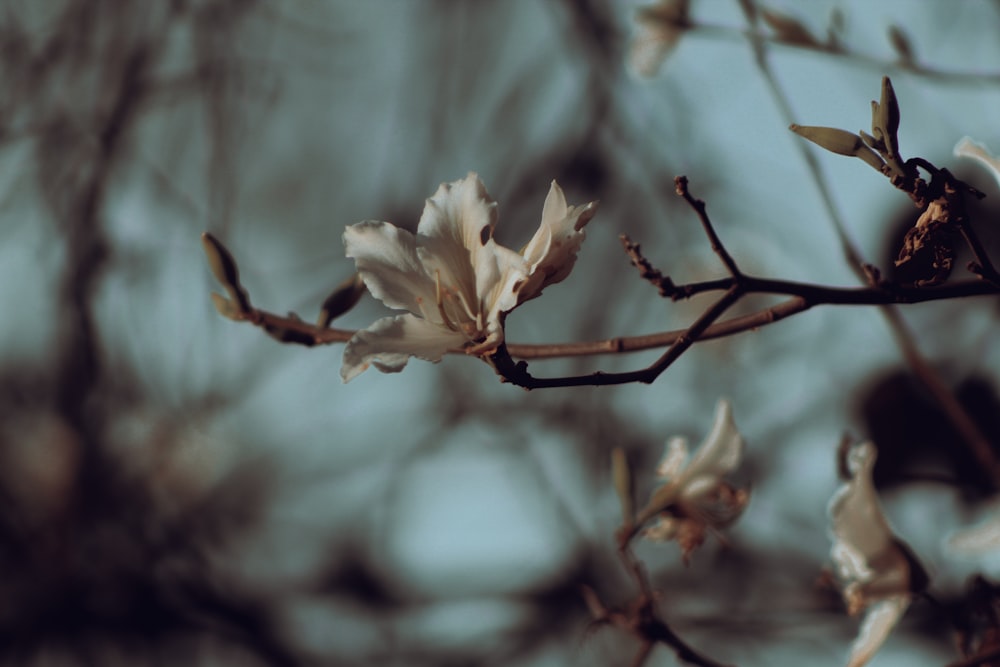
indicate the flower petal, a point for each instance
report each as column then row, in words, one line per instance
column 456, row 224
column 389, row 343
column 551, row 252
column 880, row 619
column 722, row 449
column 970, row 149
column 861, row 533
column 386, row 258
column 675, row 456
column 501, row 296
column 977, row 540
column 456, row 238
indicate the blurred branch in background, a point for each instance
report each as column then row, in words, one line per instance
column 433, row 518
column 115, row 516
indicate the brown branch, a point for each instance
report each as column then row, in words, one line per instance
column 942, row 76
column 972, row 435
column 663, row 284
column 681, row 185
column 642, row 619
column 517, row 373
column 292, row 329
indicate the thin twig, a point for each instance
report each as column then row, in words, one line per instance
column 517, row 373
column 292, row 329
column 681, row 185
column 663, row 284
column 971, row 434
column 950, row 77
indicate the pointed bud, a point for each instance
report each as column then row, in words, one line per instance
column 873, row 143
column 225, row 307
column 344, row 297
column 220, row 260
column 224, row 268
column 888, row 113
column 840, row 142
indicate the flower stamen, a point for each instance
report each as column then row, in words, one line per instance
column 440, row 301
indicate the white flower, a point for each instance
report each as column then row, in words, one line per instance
column 694, row 496
column 878, row 571
column 457, row 283
column 970, row 149
column 979, row 540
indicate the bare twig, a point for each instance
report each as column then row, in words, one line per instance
column 943, row 76
column 292, row 329
column 664, row 285
column 681, row 185
column 642, row 619
column 972, row 436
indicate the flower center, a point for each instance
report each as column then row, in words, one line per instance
column 470, row 325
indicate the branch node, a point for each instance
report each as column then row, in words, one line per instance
column 663, row 284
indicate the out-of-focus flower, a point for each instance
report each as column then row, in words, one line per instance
column 970, row 149
column 878, row 571
column 658, row 30
column 977, row 540
column 457, row 283
column 695, row 496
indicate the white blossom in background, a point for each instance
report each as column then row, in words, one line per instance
column 457, row 283
column 694, row 496
column 970, row 149
column 878, row 571
column 980, row 540
column 658, row 29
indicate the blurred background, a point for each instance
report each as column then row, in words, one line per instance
column 177, row 488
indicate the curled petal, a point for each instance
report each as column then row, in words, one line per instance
column 861, row 534
column 462, row 213
column 722, row 449
column 387, row 259
column 696, row 490
column 970, row 149
column 454, row 230
column 880, row 572
column 880, row 618
column 551, row 252
column 455, row 235
column 503, row 271
column 389, row 343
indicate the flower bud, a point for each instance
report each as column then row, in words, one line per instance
column 344, row 297
column 224, row 268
